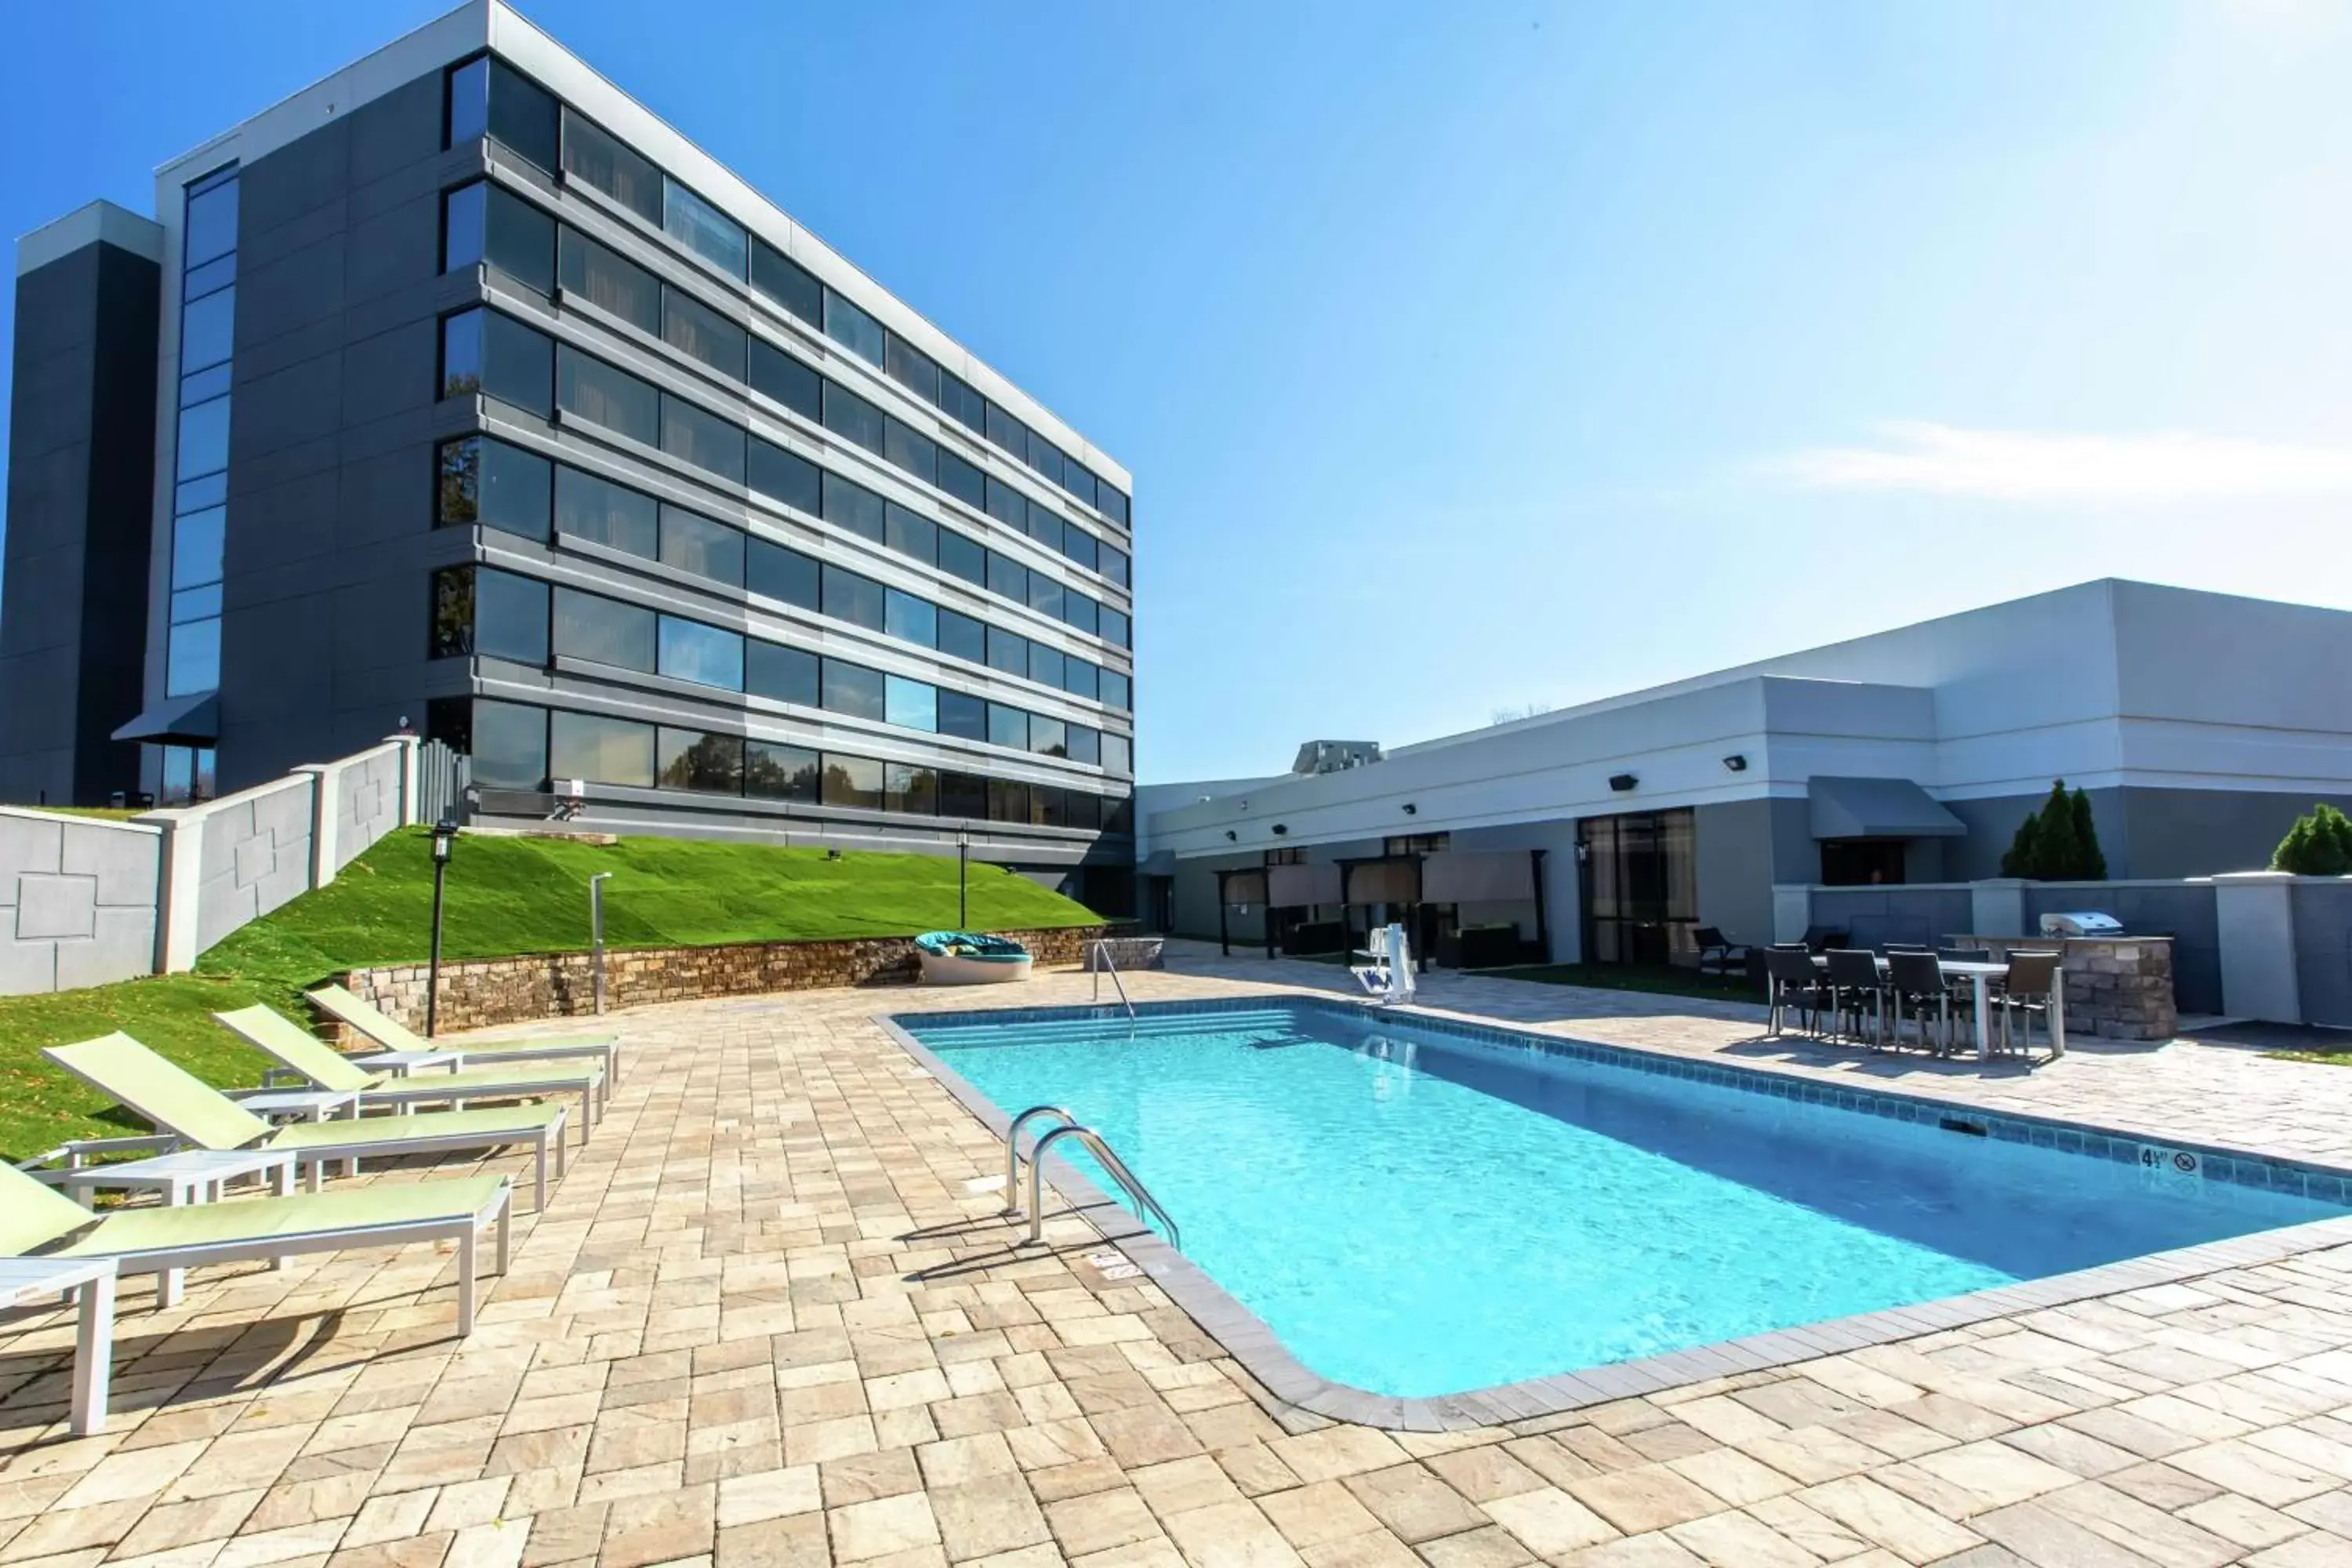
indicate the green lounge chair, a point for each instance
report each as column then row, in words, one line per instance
column 393, row 1035
column 195, row 1112
column 297, row 1051
column 42, row 1225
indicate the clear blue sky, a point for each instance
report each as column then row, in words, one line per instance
column 1470, row 356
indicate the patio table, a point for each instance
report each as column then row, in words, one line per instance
column 1980, row 977
column 26, row 1280
column 184, row 1176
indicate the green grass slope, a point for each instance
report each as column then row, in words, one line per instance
column 505, row 896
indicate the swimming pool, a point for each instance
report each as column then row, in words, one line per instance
column 1416, row 1208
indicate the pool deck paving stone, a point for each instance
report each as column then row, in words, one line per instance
column 771, row 1320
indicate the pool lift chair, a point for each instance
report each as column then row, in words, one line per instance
column 1388, row 973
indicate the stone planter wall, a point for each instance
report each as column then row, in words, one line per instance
column 478, row 992
column 2117, row 988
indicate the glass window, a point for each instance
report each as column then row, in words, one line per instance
column 786, row 282
column 1044, row 594
column 911, row 534
column 909, row 449
column 911, row 368
column 962, row 481
column 1008, row 800
column 783, row 477
column 508, row 744
column 1078, row 611
column 1111, row 503
column 461, row 355
column 772, row 771
column 701, row 437
column 1114, row 689
column 781, row 674
column 1046, row 737
column 210, row 227
column 693, row 327
column 509, row 616
column 1007, row 505
column 205, row 383
column 515, row 489
column 516, row 364
column 209, row 489
column 610, row 281
column 853, row 782
column 1078, row 481
column 1008, row 577
column 963, row 558
column 1085, row 745
column 1046, row 807
column 468, row 106
column 780, row 573
column 204, row 439
column 851, row 598
column 852, row 419
column 910, row 704
column 1113, row 625
column 1080, row 809
column 963, row 404
column 1045, row 665
column 590, row 389
column 1079, row 546
column 523, row 118
column 1045, row 526
column 1111, row 562
column 963, row 717
column 192, row 659
column 595, row 158
column 689, row 759
column 705, row 230
column 852, row 328
column 1008, row 727
column 707, row 656
column 1007, row 432
column 606, row 631
column 520, row 241
column 217, row 273
column 1118, row 757
column 605, row 513
column 1045, row 456
column 600, row 749
column 692, row 543
column 197, row 541
column 1008, row 651
column 961, row 636
column 963, row 794
column 855, row 507
column 911, row 619
column 777, row 375
column 1078, row 677
column 451, row 632
column 195, row 603
column 854, row 690
column 207, row 330
column 909, row 788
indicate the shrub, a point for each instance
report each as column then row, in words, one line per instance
column 2318, row 844
column 2059, row 843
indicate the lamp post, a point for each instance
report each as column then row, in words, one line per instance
column 444, row 839
column 596, row 933
column 963, row 869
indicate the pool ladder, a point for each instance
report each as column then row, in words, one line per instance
column 1099, row 958
column 1145, row 1205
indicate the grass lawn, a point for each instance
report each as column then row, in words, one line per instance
column 505, row 896
column 1658, row 979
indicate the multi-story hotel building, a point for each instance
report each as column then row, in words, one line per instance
column 459, row 388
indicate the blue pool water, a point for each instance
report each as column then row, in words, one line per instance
column 1417, row 1214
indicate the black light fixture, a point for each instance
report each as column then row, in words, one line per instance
column 1737, row 763
column 963, row 878
column 1280, row 828
column 1410, row 809
column 1621, row 782
column 1231, row 836
column 445, row 843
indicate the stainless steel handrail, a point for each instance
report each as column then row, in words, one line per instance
column 1099, row 949
column 1144, row 1202
column 1013, row 1151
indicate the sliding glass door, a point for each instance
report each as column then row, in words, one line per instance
column 1641, row 886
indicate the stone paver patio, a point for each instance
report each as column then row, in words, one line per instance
column 713, row 1348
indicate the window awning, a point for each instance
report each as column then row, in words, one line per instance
column 1878, row 809
column 177, row 721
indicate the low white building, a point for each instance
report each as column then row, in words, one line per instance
column 2201, row 725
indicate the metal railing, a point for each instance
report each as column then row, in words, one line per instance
column 1099, row 958
column 1145, row 1205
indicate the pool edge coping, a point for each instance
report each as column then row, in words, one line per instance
column 1260, row 1350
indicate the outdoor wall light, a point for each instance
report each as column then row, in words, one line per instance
column 1231, row 836
column 1410, row 809
column 1737, row 763
column 1280, row 828
column 1621, row 782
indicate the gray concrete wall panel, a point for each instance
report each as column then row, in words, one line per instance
column 77, row 902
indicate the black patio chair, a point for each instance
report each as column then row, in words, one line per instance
column 1915, row 983
column 1717, row 955
column 2030, row 988
column 1854, row 983
column 1794, row 984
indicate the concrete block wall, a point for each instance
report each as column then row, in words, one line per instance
column 77, row 901
column 254, row 854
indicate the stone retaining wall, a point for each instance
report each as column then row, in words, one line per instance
column 478, row 992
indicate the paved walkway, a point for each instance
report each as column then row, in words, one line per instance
column 711, row 1350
